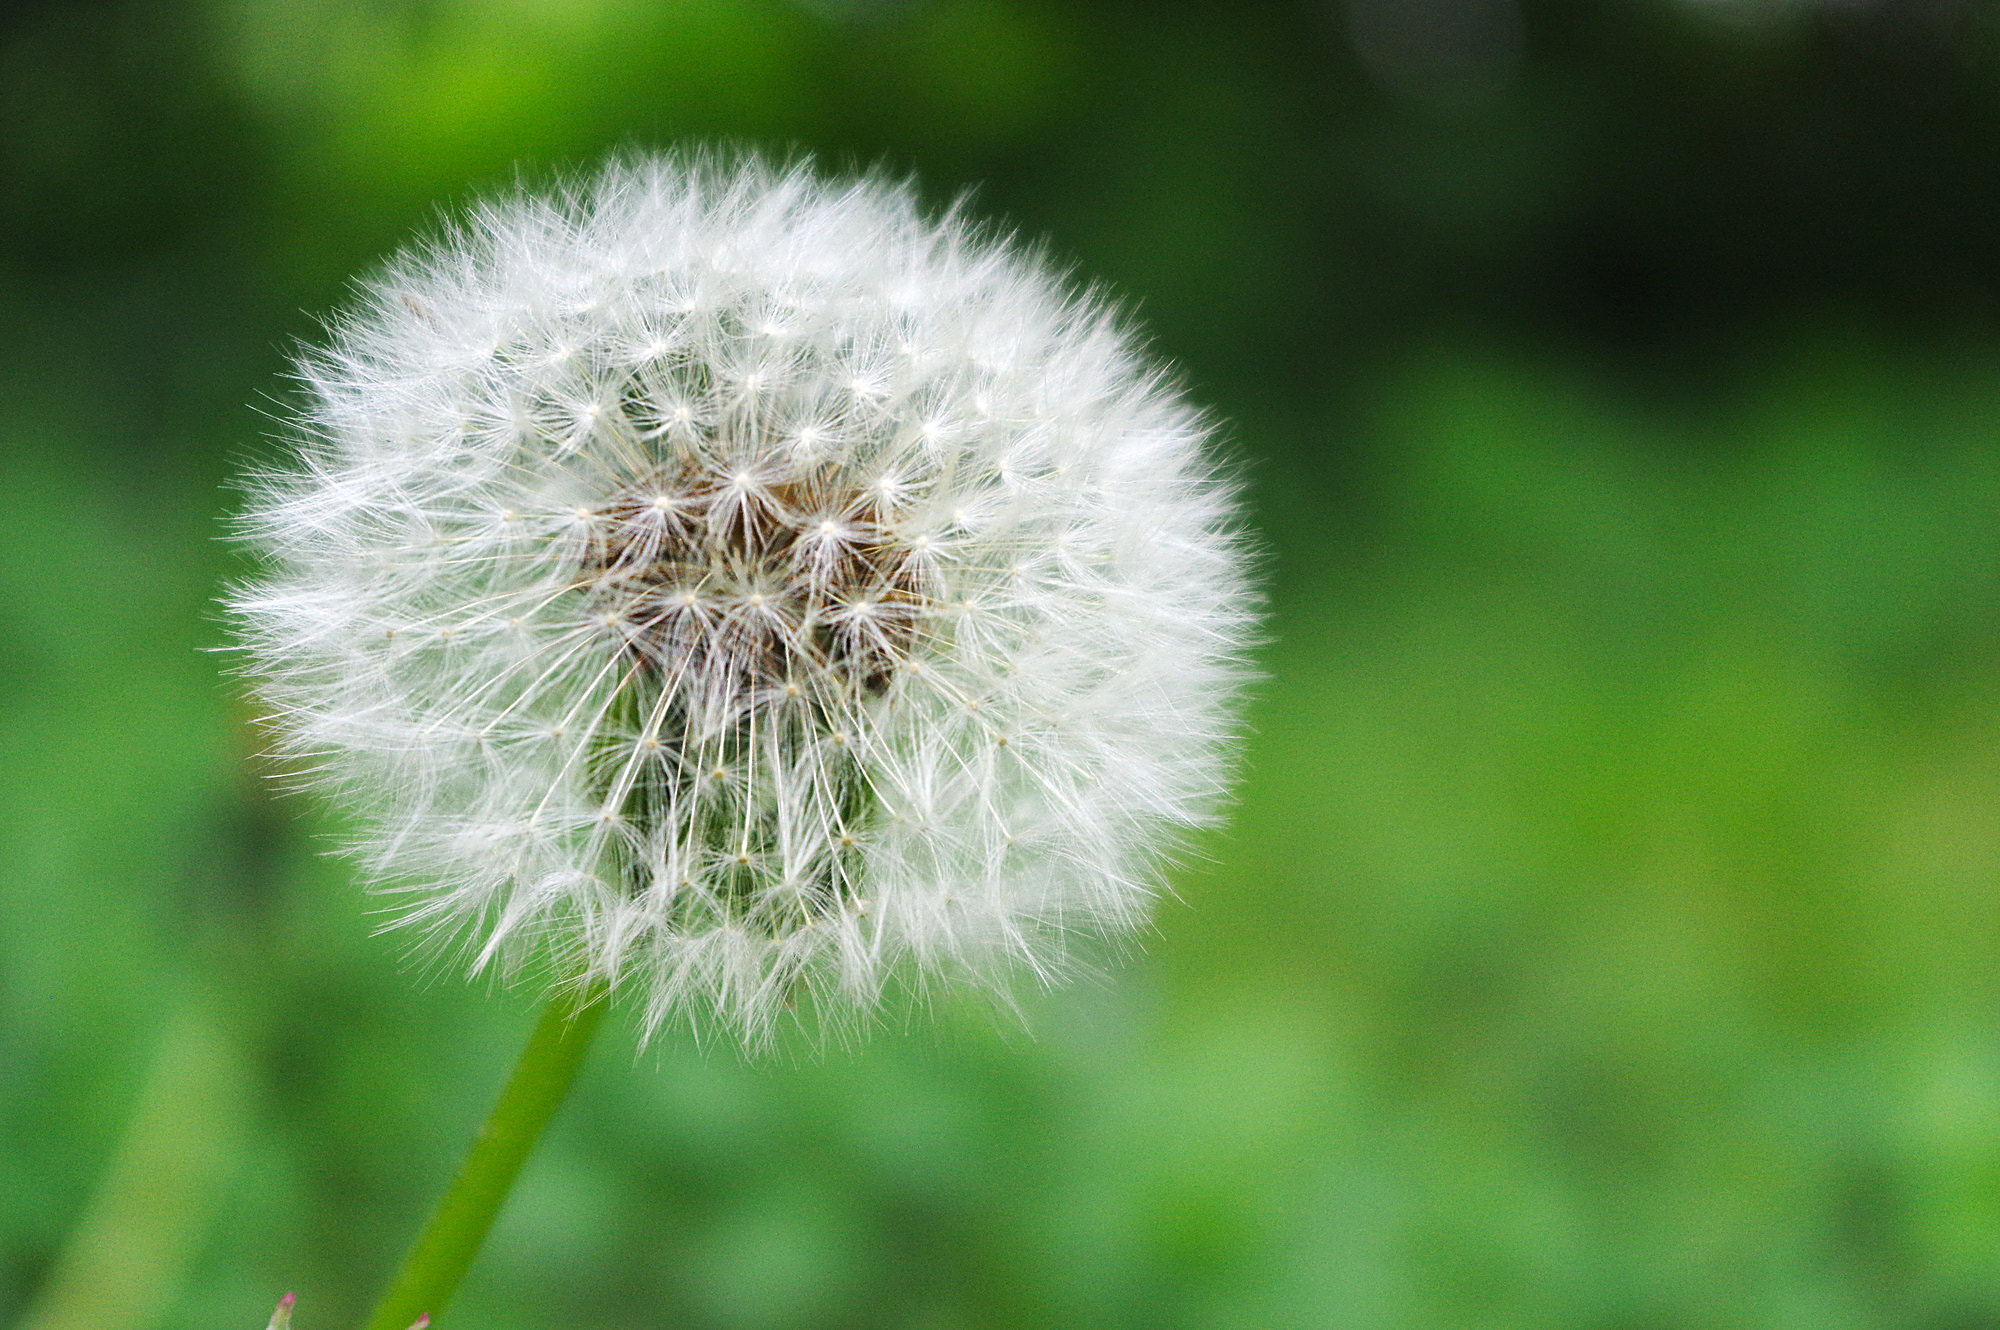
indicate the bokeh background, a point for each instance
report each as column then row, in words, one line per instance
column 1608, row 935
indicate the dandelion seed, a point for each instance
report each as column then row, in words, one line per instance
column 756, row 730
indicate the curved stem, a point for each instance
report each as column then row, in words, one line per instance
column 451, row 1238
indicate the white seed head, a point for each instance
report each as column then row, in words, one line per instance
column 729, row 583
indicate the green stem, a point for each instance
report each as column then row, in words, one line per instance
column 167, row 1179
column 444, row 1250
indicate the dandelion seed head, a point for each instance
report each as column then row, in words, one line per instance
column 731, row 583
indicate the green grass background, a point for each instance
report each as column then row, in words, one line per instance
column 1606, row 935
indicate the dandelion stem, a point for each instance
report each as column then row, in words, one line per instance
column 451, row 1238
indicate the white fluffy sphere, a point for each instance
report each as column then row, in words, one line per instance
column 730, row 583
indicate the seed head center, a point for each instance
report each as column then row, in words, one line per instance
column 744, row 587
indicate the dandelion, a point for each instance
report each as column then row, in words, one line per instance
column 731, row 585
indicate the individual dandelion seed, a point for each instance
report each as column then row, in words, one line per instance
column 730, row 584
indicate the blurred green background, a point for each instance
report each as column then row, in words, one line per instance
column 1607, row 936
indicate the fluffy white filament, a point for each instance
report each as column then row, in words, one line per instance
column 730, row 583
